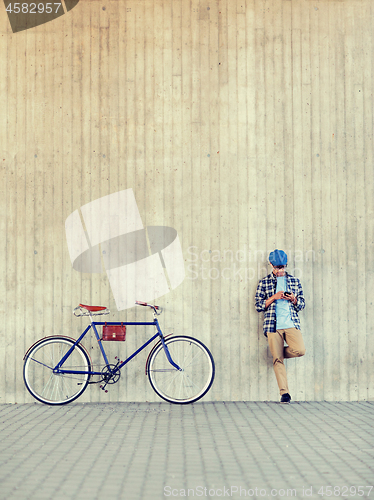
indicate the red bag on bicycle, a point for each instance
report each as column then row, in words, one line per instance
column 114, row 332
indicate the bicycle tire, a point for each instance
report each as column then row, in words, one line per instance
column 50, row 388
column 196, row 377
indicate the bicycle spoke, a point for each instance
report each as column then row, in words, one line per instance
column 172, row 380
column 64, row 384
column 43, row 364
column 195, row 377
column 192, row 359
column 49, row 382
column 180, row 386
column 56, row 388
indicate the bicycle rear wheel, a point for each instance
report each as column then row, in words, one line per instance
column 193, row 381
column 52, row 388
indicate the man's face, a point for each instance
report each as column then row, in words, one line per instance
column 279, row 270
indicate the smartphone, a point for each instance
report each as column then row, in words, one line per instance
column 287, row 294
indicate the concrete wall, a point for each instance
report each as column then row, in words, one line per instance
column 246, row 126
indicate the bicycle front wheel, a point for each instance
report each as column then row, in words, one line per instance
column 56, row 388
column 196, row 375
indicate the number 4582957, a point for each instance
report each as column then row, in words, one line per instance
column 33, row 8
column 337, row 491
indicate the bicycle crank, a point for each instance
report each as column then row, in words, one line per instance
column 109, row 375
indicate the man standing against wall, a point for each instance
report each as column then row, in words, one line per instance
column 280, row 297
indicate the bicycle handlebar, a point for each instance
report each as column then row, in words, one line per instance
column 155, row 308
column 139, row 303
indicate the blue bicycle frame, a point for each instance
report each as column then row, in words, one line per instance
column 58, row 368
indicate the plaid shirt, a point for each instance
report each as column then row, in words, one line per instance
column 266, row 288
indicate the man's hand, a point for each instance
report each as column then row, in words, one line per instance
column 290, row 297
column 276, row 296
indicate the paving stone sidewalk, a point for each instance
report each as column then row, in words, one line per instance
column 138, row 451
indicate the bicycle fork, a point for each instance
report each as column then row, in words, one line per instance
column 166, row 349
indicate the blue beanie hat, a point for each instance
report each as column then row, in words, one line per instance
column 278, row 258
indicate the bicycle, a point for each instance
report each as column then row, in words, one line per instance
column 58, row 369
